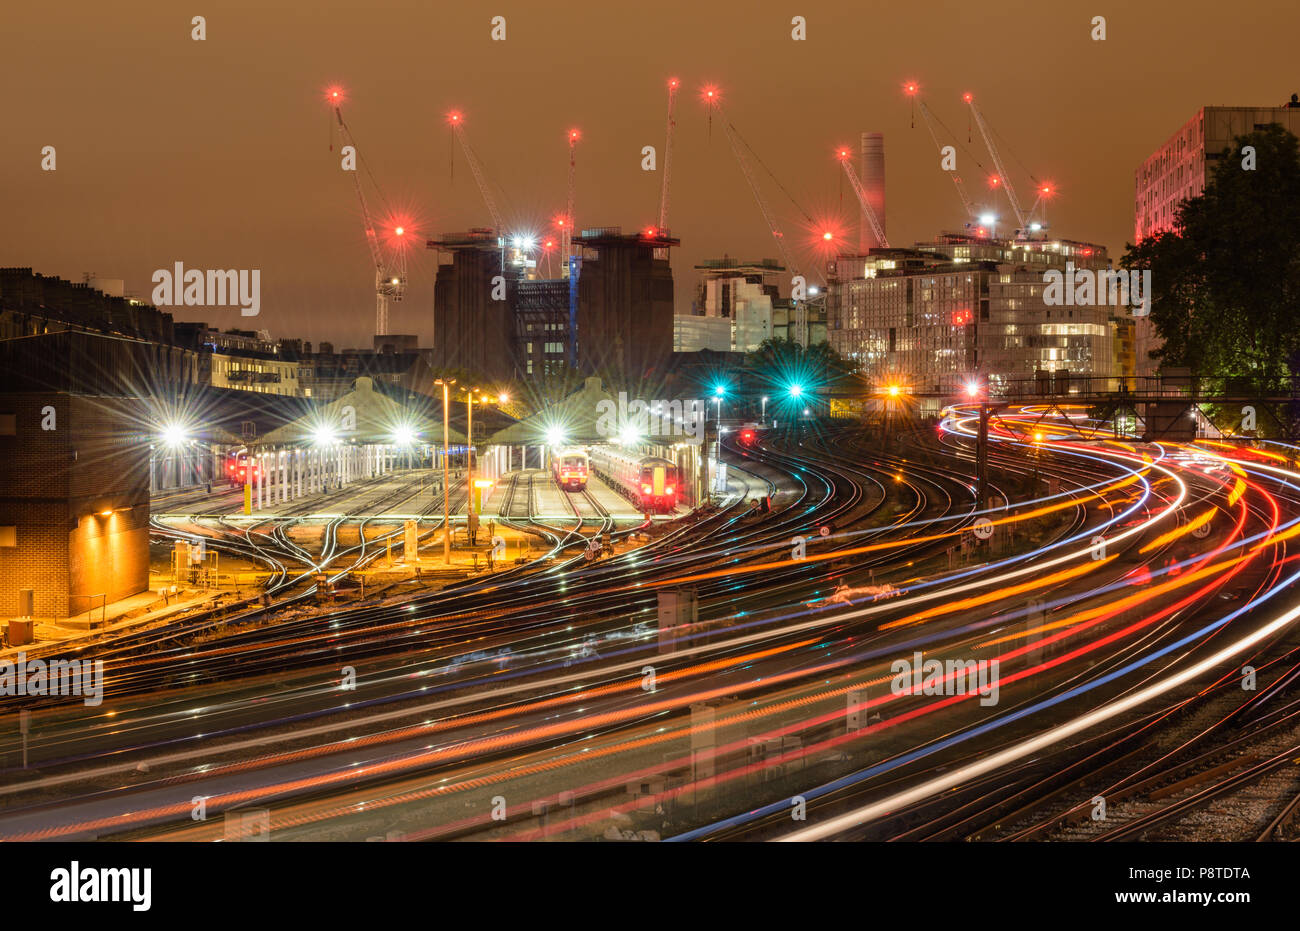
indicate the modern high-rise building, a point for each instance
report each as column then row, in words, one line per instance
column 936, row 315
column 1179, row 170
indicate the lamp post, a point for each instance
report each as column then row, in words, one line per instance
column 471, row 519
column 446, row 467
column 763, row 417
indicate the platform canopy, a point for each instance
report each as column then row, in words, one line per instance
column 363, row 415
column 593, row 415
column 575, row 419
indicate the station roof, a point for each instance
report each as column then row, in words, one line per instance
column 373, row 417
column 575, row 417
column 588, row 416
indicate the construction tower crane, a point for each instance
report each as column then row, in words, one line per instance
column 457, row 121
column 390, row 276
column 566, row 231
column 673, row 84
column 966, row 202
column 713, row 99
column 1021, row 217
column 858, row 189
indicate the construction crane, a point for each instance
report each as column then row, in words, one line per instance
column 457, row 122
column 664, row 189
column 390, row 276
column 566, row 230
column 858, row 189
column 712, row 99
column 1021, row 217
column 911, row 90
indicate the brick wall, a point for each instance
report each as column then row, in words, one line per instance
column 54, row 486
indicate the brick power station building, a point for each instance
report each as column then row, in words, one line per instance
column 494, row 316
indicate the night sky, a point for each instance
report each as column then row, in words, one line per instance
column 216, row 154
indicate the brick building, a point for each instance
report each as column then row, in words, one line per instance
column 74, row 473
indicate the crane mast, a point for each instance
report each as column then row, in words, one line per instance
column 566, row 233
column 668, row 165
column 956, row 178
column 800, row 312
column 390, row 283
column 458, row 127
column 861, row 192
column 997, row 162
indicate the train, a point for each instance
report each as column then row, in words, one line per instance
column 570, row 467
column 649, row 482
column 240, row 466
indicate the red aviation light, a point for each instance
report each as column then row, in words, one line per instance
column 673, row 82
column 454, row 117
column 910, row 87
column 828, row 236
column 335, row 95
column 994, row 180
column 968, row 97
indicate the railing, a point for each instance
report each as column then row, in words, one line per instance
column 90, row 606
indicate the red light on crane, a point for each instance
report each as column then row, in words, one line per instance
column 910, row 87
column 828, row 236
column 574, row 135
column 842, row 154
column 335, row 95
column 967, row 97
column 994, row 181
column 454, row 117
column 673, row 82
column 400, row 231
column 710, row 94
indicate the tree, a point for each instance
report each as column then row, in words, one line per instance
column 780, row 362
column 1226, row 281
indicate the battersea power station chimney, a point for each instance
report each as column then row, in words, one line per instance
column 872, row 172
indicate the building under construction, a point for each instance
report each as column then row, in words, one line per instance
column 613, row 313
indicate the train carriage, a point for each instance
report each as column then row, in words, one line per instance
column 649, row 482
column 570, row 468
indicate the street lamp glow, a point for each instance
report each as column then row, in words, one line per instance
column 796, row 391
column 895, row 391
column 555, row 436
column 630, row 437
column 719, row 390
column 972, row 389
column 324, row 435
column 404, row 436
column 988, row 219
column 173, row 434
